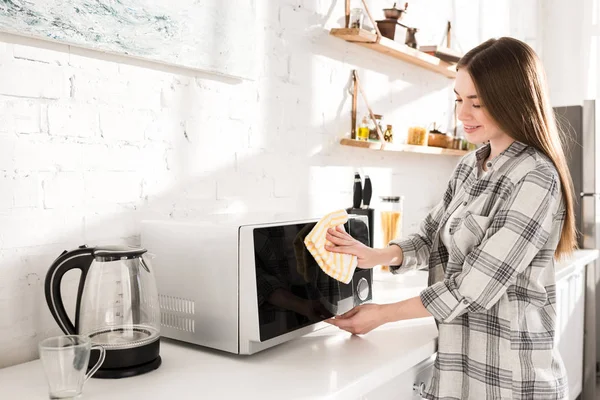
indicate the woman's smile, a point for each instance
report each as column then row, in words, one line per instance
column 471, row 128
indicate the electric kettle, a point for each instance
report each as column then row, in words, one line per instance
column 117, row 306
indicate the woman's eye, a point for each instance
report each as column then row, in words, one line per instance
column 458, row 100
column 476, row 106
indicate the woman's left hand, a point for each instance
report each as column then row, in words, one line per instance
column 361, row 319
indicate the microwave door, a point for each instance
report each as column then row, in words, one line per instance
column 327, row 290
column 337, row 297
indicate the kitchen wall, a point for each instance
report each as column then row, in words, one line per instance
column 570, row 50
column 91, row 144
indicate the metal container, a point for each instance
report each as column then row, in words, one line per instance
column 394, row 13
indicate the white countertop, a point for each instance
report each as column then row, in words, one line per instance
column 565, row 267
column 327, row 364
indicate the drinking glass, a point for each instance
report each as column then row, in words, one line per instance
column 65, row 360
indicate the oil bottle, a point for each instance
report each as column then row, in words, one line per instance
column 363, row 130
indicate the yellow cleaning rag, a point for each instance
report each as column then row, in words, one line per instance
column 338, row 266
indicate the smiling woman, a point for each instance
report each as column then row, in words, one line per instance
column 491, row 242
column 509, row 82
column 478, row 125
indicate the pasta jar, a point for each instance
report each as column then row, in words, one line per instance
column 390, row 218
column 417, row 135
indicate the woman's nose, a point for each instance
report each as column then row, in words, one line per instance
column 462, row 112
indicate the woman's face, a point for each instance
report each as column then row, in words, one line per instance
column 479, row 127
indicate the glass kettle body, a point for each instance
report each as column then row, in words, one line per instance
column 117, row 306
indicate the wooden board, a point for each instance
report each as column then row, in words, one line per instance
column 402, row 147
column 354, row 35
column 395, row 49
column 443, row 53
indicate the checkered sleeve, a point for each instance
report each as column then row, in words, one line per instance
column 417, row 247
column 518, row 231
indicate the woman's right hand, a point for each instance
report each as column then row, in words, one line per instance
column 342, row 242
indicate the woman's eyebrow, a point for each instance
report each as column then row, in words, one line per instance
column 473, row 96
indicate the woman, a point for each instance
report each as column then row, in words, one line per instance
column 490, row 244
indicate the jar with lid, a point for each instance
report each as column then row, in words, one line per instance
column 373, row 136
column 391, row 220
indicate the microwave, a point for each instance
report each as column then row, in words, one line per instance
column 243, row 288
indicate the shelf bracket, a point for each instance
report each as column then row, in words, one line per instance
column 356, row 87
column 347, row 13
column 377, row 31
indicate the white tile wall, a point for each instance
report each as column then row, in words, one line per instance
column 90, row 144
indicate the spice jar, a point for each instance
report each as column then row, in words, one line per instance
column 390, row 220
column 373, row 136
column 464, row 144
column 457, row 143
column 357, row 17
column 417, row 135
column 388, row 135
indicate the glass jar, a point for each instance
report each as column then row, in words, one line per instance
column 457, row 143
column 357, row 17
column 388, row 135
column 390, row 219
column 417, row 135
column 373, row 135
column 363, row 130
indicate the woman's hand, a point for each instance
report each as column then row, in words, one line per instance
column 361, row 319
column 342, row 242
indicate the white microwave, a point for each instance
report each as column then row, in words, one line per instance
column 244, row 288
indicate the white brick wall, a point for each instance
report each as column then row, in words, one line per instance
column 73, row 119
column 91, row 144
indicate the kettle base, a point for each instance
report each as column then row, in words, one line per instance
column 116, row 373
column 123, row 363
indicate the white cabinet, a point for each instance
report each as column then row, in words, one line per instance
column 570, row 310
column 405, row 386
column 570, row 307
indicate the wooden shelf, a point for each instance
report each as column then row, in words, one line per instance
column 402, row 147
column 395, row 49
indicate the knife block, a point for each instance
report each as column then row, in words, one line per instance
column 370, row 213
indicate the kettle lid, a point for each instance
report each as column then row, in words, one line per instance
column 113, row 253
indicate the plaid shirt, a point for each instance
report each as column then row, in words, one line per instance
column 492, row 291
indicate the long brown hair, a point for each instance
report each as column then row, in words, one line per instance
column 511, row 83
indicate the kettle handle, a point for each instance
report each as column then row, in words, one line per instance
column 77, row 259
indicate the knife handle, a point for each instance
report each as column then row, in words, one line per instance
column 367, row 192
column 357, row 194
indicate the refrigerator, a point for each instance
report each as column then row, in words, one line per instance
column 582, row 150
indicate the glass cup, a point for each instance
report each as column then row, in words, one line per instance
column 65, row 360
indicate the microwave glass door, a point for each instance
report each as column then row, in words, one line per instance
column 292, row 290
